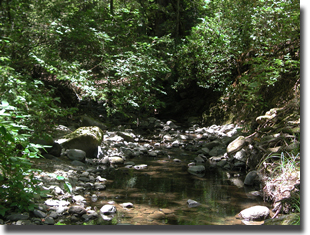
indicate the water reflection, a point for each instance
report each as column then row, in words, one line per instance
column 160, row 194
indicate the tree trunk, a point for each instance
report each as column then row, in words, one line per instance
column 111, row 7
column 178, row 20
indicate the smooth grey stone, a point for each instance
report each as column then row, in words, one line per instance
column 18, row 216
column 39, row 213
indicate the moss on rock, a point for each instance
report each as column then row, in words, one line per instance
column 85, row 138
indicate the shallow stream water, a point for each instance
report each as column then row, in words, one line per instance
column 160, row 193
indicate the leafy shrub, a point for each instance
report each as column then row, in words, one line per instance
column 18, row 184
column 243, row 49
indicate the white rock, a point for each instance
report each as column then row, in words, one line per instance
column 241, row 155
column 108, row 209
column 255, row 213
column 78, row 199
column 51, row 202
column 100, row 179
column 192, row 203
column 140, row 167
column 175, row 143
column 127, row 205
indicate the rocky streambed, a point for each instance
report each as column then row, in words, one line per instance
column 159, row 174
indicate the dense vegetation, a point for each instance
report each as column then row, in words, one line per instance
column 133, row 57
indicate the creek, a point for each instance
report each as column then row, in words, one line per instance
column 163, row 192
column 160, row 193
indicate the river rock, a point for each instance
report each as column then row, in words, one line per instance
column 49, row 221
column 196, row 170
column 127, row 205
column 18, row 216
column 238, row 182
column 78, row 163
column 175, row 143
column 152, row 153
column 128, row 153
column 205, row 151
column 79, row 199
column 289, row 219
column 54, row 215
column 100, row 179
column 236, row 145
column 167, row 137
column 191, row 203
column 85, row 138
column 140, row 167
column 108, row 209
column 115, row 138
column 56, row 203
column 212, row 144
column 200, row 130
column 127, row 136
column 55, row 150
column 238, row 164
column 77, row 210
column 23, row 222
column 199, row 159
column 269, row 116
column 222, row 163
column 39, row 213
column 241, row 155
column 255, row 213
column 250, row 178
column 99, row 186
column 116, row 160
column 76, row 154
column 217, row 150
column 264, row 118
column 171, row 124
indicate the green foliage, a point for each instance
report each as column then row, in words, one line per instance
column 136, row 76
column 204, row 56
column 60, row 223
column 18, row 184
column 286, row 164
column 242, row 48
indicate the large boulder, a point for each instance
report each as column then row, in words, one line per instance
column 85, row 138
